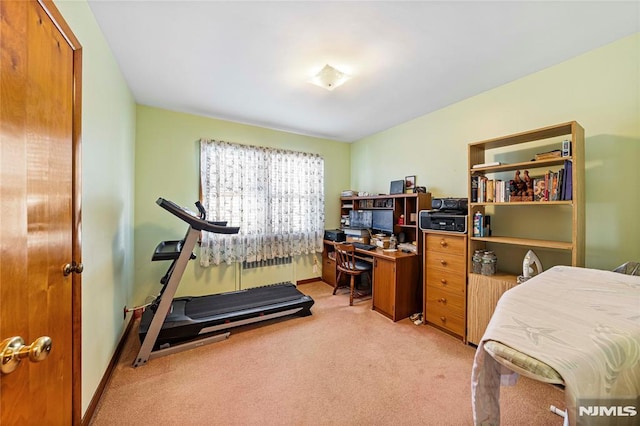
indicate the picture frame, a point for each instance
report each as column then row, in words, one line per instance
column 397, row 187
column 409, row 183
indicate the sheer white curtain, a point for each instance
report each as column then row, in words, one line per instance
column 275, row 196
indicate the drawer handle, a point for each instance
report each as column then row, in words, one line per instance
column 442, row 300
column 443, row 281
column 443, row 243
column 443, row 262
column 443, row 319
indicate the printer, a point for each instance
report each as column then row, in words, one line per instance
column 335, row 235
column 446, row 214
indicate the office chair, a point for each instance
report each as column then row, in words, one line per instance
column 347, row 263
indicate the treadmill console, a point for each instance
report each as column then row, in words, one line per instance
column 194, row 221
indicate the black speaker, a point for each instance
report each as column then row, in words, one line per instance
column 402, row 237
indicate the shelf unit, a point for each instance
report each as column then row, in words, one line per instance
column 408, row 205
column 483, row 293
column 516, row 149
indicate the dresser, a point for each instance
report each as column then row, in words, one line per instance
column 445, row 281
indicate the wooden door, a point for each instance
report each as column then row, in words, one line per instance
column 39, row 210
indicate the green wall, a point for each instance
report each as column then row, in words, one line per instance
column 599, row 89
column 168, row 166
column 108, row 132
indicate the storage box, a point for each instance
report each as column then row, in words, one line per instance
column 354, row 239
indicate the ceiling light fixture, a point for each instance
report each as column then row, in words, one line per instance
column 329, row 78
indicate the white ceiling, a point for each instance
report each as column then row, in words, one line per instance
column 249, row 61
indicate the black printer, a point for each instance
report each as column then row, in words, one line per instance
column 446, row 214
column 335, row 235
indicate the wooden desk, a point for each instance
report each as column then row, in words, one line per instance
column 396, row 289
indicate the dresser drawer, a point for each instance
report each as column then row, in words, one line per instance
column 453, row 281
column 446, row 243
column 446, row 261
column 451, row 301
column 445, row 318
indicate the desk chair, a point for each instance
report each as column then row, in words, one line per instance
column 347, row 263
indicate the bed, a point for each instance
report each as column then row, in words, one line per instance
column 577, row 328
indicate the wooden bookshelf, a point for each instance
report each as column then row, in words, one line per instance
column 483, row 152
column 484, row 291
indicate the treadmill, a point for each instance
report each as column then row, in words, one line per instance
column 171, row 325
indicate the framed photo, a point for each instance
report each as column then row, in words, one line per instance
column 397, row 187
column 409, row 183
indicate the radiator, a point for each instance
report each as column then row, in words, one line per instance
column 264, row 272
column 266, row 262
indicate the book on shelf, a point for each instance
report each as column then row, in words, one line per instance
column 553, row 195
column 567, row 193
column 547, row 185
column 551, row 186
column 482, row 189
column 490, row 191
column 485, row 190
column 489, row 164
column 474, row 188
column 538, row 188
column 503, row 191
column 560, row 183
column 548, row 182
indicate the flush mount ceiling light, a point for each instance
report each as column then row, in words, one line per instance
column 329, row 78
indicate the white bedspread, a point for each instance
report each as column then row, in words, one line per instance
column 584, row 323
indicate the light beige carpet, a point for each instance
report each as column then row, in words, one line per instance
column 340, row 366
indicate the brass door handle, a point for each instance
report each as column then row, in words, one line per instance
column 72, row 267
column 13, row 350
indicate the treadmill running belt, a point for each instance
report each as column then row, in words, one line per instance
column 218, row 304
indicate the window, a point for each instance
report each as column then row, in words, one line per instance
column 275, row 196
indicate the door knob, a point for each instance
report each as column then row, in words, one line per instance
column 72, row 267
column 13, row 350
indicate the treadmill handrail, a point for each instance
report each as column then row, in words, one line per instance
column 194, row 221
